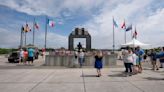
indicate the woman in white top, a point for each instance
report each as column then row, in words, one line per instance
column 129, row 62
column 81, row 58
column 135, row 67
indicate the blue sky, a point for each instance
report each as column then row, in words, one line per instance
column 94, row 15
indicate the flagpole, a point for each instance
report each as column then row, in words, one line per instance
column 113, row 38
column 132, row 33
column 135, row 33
column 25, row 35
column 125, row 36
column 33, row 31
column 21, row 38
column 125, row 31
column 45, row 34
column 25, row 39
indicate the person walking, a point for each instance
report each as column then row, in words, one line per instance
column 98, row 63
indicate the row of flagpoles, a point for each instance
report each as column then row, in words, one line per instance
column 125, row 28
column 26, row 28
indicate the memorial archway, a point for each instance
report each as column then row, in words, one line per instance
column 79, row 33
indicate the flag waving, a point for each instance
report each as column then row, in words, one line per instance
column 22, row 29
column 135, row 34
column 51, row 23
column 123, row 25
column 114, row 23
column 129, row 28
column 36, row 25
column 27, row 28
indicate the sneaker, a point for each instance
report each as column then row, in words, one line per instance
column 130, row 74
column 98, row 76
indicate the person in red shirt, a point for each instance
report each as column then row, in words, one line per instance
column 25, row 53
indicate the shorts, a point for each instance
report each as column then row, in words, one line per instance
column 30, row 59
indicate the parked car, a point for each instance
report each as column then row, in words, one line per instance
column 13, row 57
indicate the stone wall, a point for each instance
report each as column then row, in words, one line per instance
column 68, row 60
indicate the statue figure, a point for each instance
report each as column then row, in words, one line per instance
column 79, row 46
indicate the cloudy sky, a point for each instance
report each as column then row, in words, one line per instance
column 94, row 15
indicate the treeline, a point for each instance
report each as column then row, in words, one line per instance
column 6, row 51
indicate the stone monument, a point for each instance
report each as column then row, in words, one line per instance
column 79, row 33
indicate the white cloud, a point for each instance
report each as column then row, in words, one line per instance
column 52, row 7
column 9, row 39
column 53, row 40
column 134, row 12
column 138, row 12
column 151, row 29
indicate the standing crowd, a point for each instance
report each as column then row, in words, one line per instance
column 27, row 56
column 134, row 57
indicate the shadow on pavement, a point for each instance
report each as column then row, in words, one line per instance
column 88, row 76
column 118, row 75
column 154, row 78
column 117, row 71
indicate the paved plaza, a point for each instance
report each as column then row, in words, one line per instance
column 37, row 78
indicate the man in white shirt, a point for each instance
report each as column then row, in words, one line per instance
column 21, row 56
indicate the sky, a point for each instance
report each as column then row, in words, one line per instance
column 96, row 16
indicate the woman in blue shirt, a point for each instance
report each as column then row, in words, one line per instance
column 98, row 62
column 140, row 54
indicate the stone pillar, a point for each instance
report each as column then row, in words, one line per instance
column 70, row 42
column 88, row 43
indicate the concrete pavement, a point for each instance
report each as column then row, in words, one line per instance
column 37, row 78
column 79, row 80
